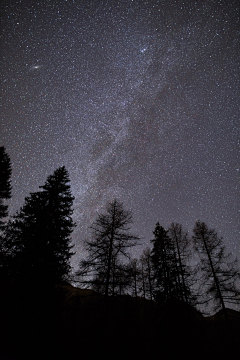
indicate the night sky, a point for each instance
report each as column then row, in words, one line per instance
column 138, row 99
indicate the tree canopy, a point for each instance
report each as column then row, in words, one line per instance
column 111, row 240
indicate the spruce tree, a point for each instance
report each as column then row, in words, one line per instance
column 39, row 235
column 164, row 265
column 59, row 223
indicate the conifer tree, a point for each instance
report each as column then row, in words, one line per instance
column 5, row 194
column 220, row 272
column 147, row 274
column 185, row 274
column 39, row 235
column 5, row 183
column 164, row 265
column 111, row 240
column 59, row 225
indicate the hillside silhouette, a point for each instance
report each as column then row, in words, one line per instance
column 136, row 308
column 74, row 323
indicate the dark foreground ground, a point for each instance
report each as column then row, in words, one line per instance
column 71, row 323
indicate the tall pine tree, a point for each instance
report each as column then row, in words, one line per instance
column 39, row 235
column 164, row 265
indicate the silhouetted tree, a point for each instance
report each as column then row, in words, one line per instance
column 111, row 240
column 185, row 274
column 134, row 275
column 5, row 194
column 5, row 183
column 147, row 274
column 164, row 265
column 220, row 273
column 119, row 277
column 39, row 235
column 122, row 280
column 119, row 283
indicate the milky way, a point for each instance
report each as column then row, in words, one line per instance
column 138, row 99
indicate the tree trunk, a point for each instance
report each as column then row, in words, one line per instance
column 214, row 276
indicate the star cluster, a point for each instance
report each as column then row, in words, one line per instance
column 138, row 99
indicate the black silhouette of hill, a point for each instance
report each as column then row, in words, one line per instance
column 73, row 323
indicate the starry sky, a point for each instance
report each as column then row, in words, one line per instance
column 138, row 99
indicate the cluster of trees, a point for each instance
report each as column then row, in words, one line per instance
column 36, row 249
column 165, row 272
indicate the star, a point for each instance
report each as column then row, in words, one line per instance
column 139, row 100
